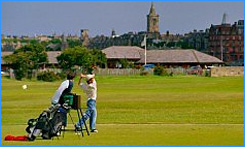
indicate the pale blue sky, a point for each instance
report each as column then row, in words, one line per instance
column 100, row 17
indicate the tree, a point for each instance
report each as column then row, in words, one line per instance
column 72, row 43
column 80, row 56
column 184, row 45
column 99, row 58
column 26, row 59
column 171, row 44
column 124, row 63
column 34, row 41
column 55, row 41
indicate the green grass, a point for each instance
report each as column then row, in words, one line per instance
column 138, row 110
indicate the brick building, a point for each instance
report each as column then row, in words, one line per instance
column 226, row 42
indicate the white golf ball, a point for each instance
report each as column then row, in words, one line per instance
column 24, row 86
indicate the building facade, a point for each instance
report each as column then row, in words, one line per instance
column 168, row 58
column 197, row 40
column 226, row 42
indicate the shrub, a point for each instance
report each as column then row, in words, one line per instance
column 61, row 75
column 48, row 76
column 144, row 73
column 160, row 71
column 19, row 74
column 137, row 66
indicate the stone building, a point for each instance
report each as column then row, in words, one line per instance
column 198, row 40
column 152, row 20
column 64, row 43
column 153, row 33
column 85, row 37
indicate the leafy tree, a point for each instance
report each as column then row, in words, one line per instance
column 159, row 44
column 34, row 41
column 124, row 63
column 19, row 62
column 56, row 41
column 26, row 59
column 99, row 58
column 45, row 44
column 24, row 41
column 170, row 44
column 80, row 56
column 72, row 43
column 184, row 45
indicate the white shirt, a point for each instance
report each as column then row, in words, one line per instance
column 59, row 91
column 90, row 89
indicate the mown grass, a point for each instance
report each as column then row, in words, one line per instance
column 138, row 110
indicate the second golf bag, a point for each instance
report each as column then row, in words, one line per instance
column 48, row 124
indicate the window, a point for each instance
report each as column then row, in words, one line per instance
column 239, row 31
column 241, row 57
column 154, row 21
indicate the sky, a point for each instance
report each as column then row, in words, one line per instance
column 100, row 17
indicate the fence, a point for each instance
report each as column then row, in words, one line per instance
column 213, row 72
column 177, row 71
column 109, row 71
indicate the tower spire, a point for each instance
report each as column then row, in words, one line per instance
column 224, row 19
column 152, row 10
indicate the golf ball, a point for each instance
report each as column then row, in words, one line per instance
column 24, row 86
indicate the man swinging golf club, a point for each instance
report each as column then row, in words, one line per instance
column 90, row 89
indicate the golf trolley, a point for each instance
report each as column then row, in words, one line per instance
column 50, row 122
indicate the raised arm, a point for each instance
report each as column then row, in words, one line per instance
column 80, row 79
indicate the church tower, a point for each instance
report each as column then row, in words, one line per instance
column 152, row 20
column 84, row 37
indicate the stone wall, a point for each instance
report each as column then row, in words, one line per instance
column 110, row 71
column 227, row 71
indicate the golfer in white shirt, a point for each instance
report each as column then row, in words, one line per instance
column 90, row 89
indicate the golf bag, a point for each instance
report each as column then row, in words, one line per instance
column 48, row 124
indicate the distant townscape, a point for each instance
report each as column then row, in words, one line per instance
column 220, row 44
column 224, row 41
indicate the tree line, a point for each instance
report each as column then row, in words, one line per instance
column 34, row 56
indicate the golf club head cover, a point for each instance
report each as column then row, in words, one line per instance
column 16, row 138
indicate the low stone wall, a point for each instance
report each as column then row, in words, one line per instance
column 109, row 71
column 227, row 71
